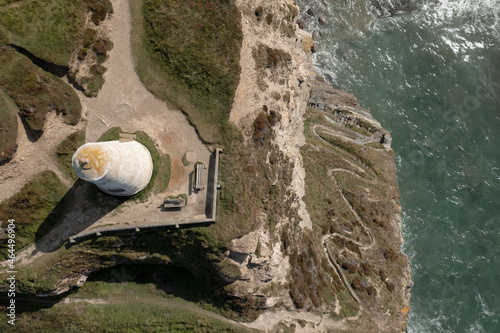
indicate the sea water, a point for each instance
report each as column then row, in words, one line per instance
column 432, row 77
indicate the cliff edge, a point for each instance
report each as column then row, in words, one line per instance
column 307, row 236
column 333, row 260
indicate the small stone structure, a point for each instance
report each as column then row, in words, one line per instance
column 198, row 183
column 116, row 167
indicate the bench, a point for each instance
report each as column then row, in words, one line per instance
column 174, row 203
column 198, row 182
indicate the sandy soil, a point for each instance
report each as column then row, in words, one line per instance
column 34, row 157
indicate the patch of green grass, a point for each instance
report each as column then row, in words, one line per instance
column 161, row 167
column 148, row 314
column 187, row 53
column 65, row 151
column 322, row 197
column 35, row 91
column 185, row 162
column 349, row 306
column 153, row 311
column 94, row 85
column 229, row 269
column 49, row 29
column 111, row 134
column 357, row 129
column 8, row 127
column 161, row 162
column 30, row 207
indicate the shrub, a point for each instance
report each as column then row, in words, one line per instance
column 269, row 18
column 101, row 47
column 88, row 37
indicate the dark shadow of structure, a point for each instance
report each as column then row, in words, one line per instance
column 84, row 197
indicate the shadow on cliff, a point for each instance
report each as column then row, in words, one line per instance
column 81, row 206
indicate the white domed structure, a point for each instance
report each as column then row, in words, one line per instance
column 117, row 168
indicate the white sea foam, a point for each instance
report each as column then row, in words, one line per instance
column 470, row 17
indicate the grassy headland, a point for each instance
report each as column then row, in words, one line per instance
column 36, row 91
column 187, row 53
column 49, row 29
column 30, row 207
column 107, row 296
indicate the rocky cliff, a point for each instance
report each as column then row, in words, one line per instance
column 308, row 232
column 333, row 260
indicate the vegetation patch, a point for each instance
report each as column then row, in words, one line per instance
column 87, row 69
column 187, row 53
column 99, row 8
column 155, row 309
column 185, row 161
column 48, row 29
column 30, row 207
column 8, row 127
column 267, row 57
column 312, row 280
column 35, row 91
column 270, row 63
column 66, row 150
column 350, row 194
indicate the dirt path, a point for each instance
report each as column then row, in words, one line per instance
column 124, row 102
column 34, row 157
column 324, row 240
column 311, row 322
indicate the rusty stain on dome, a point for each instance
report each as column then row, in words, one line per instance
column 93, row 159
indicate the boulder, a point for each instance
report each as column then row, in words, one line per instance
column 315, row 34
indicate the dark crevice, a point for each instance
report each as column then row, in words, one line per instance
column 33, row 135
column 75, row 84
column 57, row 70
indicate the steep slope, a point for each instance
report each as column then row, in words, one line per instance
column 307, row 236
column 336, row 250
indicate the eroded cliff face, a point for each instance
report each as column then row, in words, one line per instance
column 319, row 249
column 333, row 260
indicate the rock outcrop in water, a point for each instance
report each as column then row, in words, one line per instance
column 387, row 8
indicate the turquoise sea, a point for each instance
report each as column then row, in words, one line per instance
column 432, row 77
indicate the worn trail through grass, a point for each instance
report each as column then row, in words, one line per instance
column 363, row 246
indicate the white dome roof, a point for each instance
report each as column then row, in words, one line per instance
column 117, row 168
